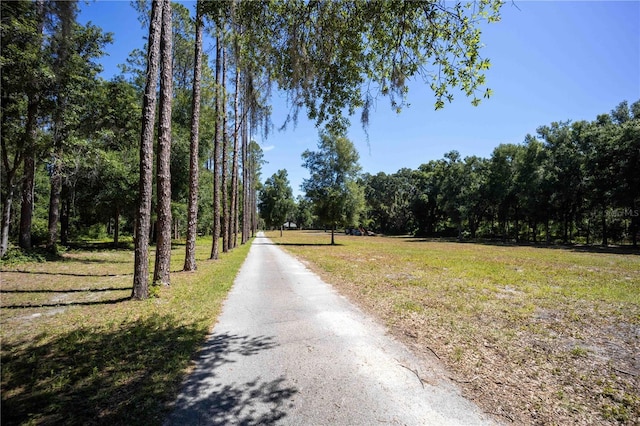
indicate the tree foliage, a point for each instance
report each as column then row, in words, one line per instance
column 333, row 186
column 49, row 69
column 573, row 182
column 71, row 134
column 339, row 56
column 276, row 200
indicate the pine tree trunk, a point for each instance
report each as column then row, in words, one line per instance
column 26, row 208
column 6, row 217
column 605, row 241
column 547, row 230
column 54, row 204
column 31, row 131
column 253, row 222
column 65, row 210
column 28, row 182
column 226, row 225
column 192, row 213
column 215, row 246
column 66, row 13
column 162, row 270
column 116, row 228
column 245, row 181
column 254, row 196
column 7, row 196
column 588, row 230
column 236, row 208
column 233, row 233
column 143, row 214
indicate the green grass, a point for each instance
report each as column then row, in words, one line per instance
column 518, row 326
column 75, row 350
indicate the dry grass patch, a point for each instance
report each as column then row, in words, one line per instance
column 534, row 335
column 76, row 350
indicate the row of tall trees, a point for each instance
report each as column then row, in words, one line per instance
column 89, row 155
column 330, row 58
column 237, row 111
column 572, row 182
column 48, row 73
column 99, row 165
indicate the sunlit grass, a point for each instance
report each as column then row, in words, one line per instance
column 515, row 323
column 89, row 355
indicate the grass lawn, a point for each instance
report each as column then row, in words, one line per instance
column 534, row 335
column 75, row 350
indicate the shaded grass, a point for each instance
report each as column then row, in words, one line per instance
column 94, row 357
column 16, row 256
column 536, row 335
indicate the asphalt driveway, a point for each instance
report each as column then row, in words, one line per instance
column 289, row 350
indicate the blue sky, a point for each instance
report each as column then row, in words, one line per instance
column 551, row 61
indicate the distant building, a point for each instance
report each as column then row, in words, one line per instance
column 290, row 225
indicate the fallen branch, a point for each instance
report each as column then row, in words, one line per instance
column 413, row 371
column 624, row 372
column 433, row 352
column 503, row 415
column 463, row 381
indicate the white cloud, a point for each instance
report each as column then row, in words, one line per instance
column 268, row 148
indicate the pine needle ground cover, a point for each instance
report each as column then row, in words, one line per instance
column 534, row 335
column 75, row 350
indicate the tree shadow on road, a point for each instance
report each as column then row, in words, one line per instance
column 205, row 402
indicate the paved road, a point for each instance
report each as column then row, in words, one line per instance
column 289, row 350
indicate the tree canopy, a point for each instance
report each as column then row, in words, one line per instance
column 574, row 181
column 333, row 186
column 276, row 200
column 339, row 56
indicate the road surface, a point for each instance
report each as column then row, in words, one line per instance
column 289, row 350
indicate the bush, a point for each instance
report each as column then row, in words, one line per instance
column 39, row 231
column 16, row 255
column 96, row 231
